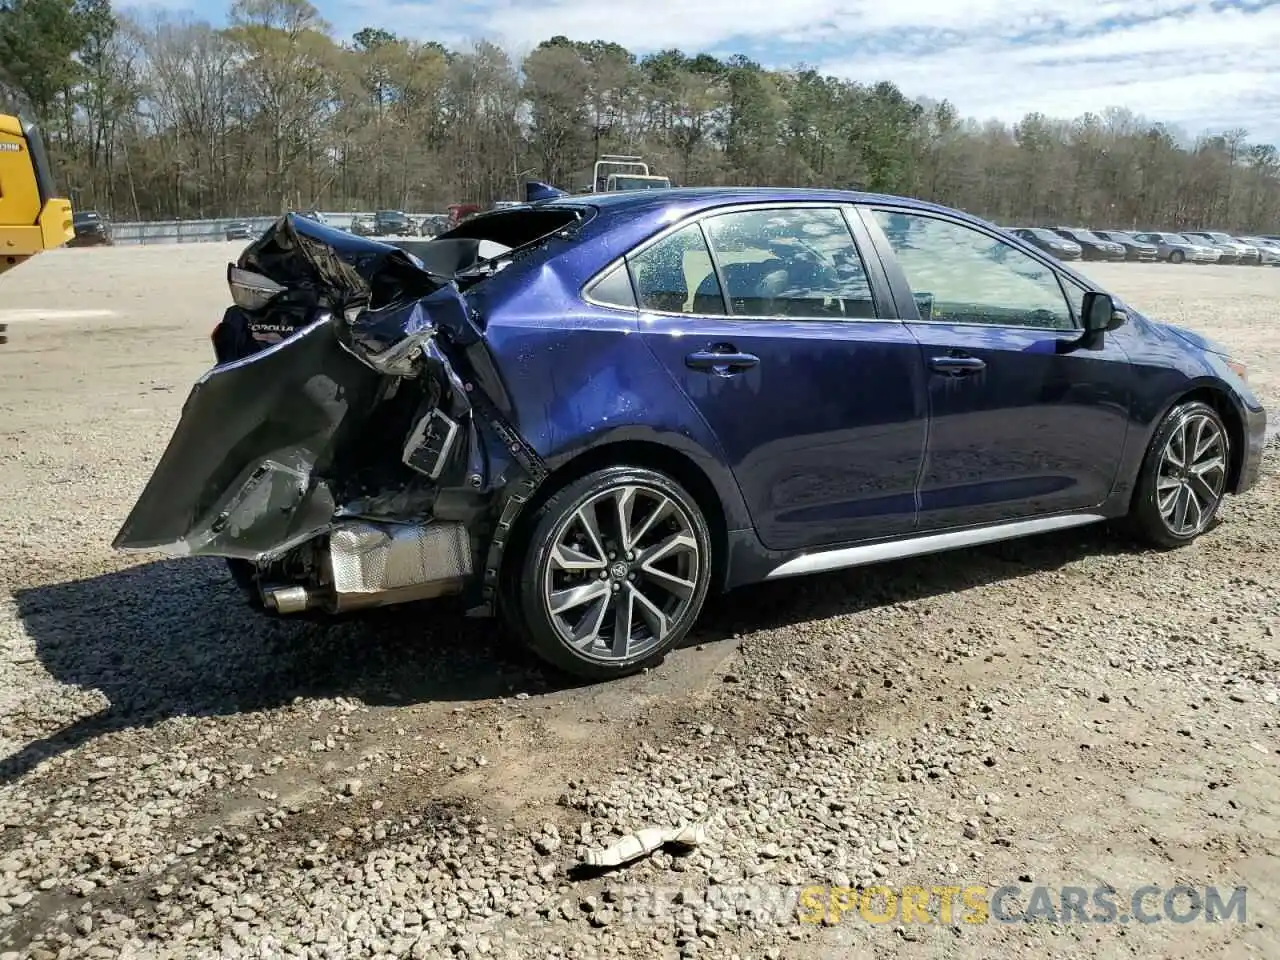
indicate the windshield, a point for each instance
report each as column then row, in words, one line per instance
column 624, row 182
column 1220, row 237
column 1085, row 235
column 1188, row 240
column 1042, row 234
column 82, row 217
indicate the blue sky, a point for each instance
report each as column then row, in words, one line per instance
column 1206, row 65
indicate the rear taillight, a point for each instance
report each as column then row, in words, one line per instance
column 249, row 290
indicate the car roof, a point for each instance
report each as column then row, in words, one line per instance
column 691, row 200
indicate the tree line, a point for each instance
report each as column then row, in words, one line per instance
column 169, row 116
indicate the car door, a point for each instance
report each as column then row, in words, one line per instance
column 1024, row 420
column 772, row 326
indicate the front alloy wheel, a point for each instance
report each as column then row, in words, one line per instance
column 616, row 571
column 1184, row 477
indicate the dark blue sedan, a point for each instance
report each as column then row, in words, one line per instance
column 584, row 414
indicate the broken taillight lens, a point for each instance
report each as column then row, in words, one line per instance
column 249, row 290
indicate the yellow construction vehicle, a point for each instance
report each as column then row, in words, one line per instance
column 32, row 218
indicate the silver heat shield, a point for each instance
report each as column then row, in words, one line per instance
column 380, row 563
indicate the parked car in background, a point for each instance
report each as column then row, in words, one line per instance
column 91, row 228
column 1268, row 250
column 433, row 225
column 1134, row 249
column 394, row 223
column 363, row 227
column 239, row 230
column 1176, row 248
column 593, row 480
column 1048, row 241
column 1232, row 250
column 1092, row 246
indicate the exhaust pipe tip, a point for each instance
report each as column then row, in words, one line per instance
column 287, row 599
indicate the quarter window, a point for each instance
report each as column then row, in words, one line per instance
column 961, row 275
column 675, row 275
column 614, row 289
column 798, row 262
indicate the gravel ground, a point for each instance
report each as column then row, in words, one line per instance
column 182, row 779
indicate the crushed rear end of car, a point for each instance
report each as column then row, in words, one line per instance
column 344, row 452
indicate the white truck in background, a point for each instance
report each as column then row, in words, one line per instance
column 614, row 172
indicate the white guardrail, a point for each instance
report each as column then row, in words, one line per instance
column 206, row 231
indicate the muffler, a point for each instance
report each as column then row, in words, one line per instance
column 369, row 564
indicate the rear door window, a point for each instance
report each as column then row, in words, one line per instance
column 675, row 275
column 798, row 262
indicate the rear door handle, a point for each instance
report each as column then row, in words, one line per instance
column 723, row 362
column 957, row 366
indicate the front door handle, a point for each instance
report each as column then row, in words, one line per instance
column 723, row 362
column 957, row 366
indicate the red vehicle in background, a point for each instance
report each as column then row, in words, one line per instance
column 460, row 211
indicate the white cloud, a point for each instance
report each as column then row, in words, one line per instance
column 1201, row 70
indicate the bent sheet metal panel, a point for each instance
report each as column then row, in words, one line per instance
column 285, row 412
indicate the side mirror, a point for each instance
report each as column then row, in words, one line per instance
column 1100, row 313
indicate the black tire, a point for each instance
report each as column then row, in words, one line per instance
column 533, row 577
column 1176, row 256
column 1146, row 520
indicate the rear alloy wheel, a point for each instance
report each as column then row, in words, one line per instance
column 615, row 573
column 1184, row 476
column 1177, row 256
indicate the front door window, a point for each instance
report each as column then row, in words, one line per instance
column 962, row 275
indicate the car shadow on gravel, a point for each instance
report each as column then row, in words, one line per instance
column 175, row 638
